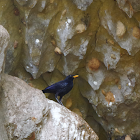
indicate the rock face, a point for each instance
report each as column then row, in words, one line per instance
column 99, row 40
column 29, row 115
column 4, row 37
column 82, row 4
column 129, row 6
column 4, row 40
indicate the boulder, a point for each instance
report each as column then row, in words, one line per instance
column 30, row 115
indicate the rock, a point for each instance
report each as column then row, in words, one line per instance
column 120, row 29
column 124, row 39
column 126, row 6
column 109, row 97
column 136, row 32
column 80, row 28
column 135, row 4
column 57, row 50
column 29, row 3
column 129, row 6
column 4, row 35
column 4, row 42
column 113, row 56
column 93, row 64
column 15, row 44
column 106, row 30
column 41, row 5
column 68, row 103
column 127, row 137
column 51, row 1
column 28, row 114
column 110, row 41
column 108, row 53
column 53, row 42
column 63, row 13
column 77, row 111
column 94, row 125
column 82, row 4
column 22, row 2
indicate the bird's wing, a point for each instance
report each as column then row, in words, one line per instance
column 57, row 86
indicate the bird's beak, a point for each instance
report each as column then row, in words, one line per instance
column 75, row 76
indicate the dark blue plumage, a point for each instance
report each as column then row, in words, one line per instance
column 61, row 88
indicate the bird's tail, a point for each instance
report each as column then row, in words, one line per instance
column 46, row 90
column 43, row 91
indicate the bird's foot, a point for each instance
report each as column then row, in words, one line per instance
column 59, row 101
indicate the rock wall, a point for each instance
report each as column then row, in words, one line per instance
column 4, row 40
column 97, row 39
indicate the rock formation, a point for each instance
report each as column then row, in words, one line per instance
column 30, row 115
column 97, row 39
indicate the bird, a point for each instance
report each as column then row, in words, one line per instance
column 61, row 88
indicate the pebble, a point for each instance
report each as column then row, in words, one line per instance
column 113, row 56
column 136, row 32
column 120, row 29
column 94, row 64
column 57, row 50
column 80, row 28
column 68, row 103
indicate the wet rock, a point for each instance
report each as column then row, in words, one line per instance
column 29, row 108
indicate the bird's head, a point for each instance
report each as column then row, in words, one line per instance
column 71, row 77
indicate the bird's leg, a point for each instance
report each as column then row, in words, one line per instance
column 59, row 101
column 56, row 97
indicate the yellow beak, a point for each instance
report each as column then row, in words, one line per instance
column 75, row 76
